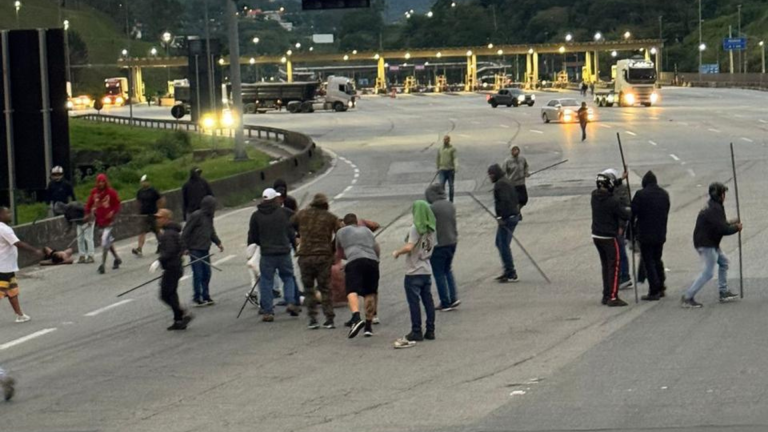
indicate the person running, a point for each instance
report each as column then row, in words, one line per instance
column 193, row 192
column 288, row 201
column 171, row 250
column 59, row 191
column 419, row 246
column 316, row 227
column 103, row 204
column 516, row 168
column 583, row 114
column 9, row 263
column 270, row 229
column 650, row 212
column 357, row 245
column 447, row 165
column 75, row 212
column 711, row 226
column 8, row 384
column 198, row 235
column 621, row 191
column 608, row 216
column 442, row 257
column 148, row 200
column 507, row 207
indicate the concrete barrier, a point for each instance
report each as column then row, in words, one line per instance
column 57, row 233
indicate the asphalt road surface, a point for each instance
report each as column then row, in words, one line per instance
column 529, row 356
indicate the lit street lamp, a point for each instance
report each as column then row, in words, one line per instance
column 762, row 46
column 17, row 5
column 430, row 14
column 255, row 40
column 167, row 38
column 124, row 52
column 66, row 25
column 568, row 37
column 653, row 50
column 702, row 47
column 153, row 52
column 598, row 36
column 298, row 45
column 614, row 53
column 627, row 34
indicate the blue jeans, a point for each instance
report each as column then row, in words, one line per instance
column 442, row 260
column 623, row 260
column 709, row 257
column 284, row 267
column 504, row 234
column 201, row 274
column 447, row 176
column 419, row 288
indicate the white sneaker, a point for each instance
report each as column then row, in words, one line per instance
column 22, row 318
column 376, row 320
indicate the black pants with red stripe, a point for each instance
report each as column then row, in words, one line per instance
column 609, row 260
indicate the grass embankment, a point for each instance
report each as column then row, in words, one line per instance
column 165, row 156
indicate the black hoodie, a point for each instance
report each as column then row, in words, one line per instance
column 504, row 194
column 650, row 211
column 607, row 212
column 711, row 226
column 170, row 247
column 270, row 228
column 199, row 231
column 193, row 192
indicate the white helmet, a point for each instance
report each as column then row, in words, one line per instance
column 57, row 170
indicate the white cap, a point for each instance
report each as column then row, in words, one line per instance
column 144, row 178
column 612, row 172
column 270, row 194
column 57, row 170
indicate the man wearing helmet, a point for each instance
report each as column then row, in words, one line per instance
column 608, row 218
column 711, row 226
column 59, row 191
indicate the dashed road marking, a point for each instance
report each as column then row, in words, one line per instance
column 714, row 130
column 504, row 126
column 652, row 143
column 631, row 133
column 684, row 123
column 26, row 338
column 341, row 195
column 763, row 121
column 691, row 173
column 536, row 131
column 354, row 180
column 674, row 157
column 603, row 125
column 746, row 139
column 357, row 170
column 106, row 308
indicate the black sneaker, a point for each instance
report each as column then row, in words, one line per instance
column 9, row 387
column 429, row 335
column 355, row 328
column 349, row 323
column 313, row 325
column 276, row 294
column 689, row 303
column 651, row 297
column 136, row 251
column 414, row 337
column 329, row 324
column 727, row 297
column 604, row 301
column 116, row 264
column 187, row 319
column 617, row 302
column 455, row 304
column 501, row 278
column 368, row 330
column 178, row 325
column 199, row 303
column 293, row 310
column 101, row 269
column 209, row 302
column 512, row 278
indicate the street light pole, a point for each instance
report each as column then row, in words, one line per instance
column 234, row 72
column 762, row 45
column 701, row 51
column 661, row 38
column 740, row 64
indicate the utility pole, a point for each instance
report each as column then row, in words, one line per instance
column 661, row 38
column 234, row 76
column 701, row 51
column 740, row 69
column 730, row 51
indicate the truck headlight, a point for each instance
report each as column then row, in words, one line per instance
column 521, row 98
column 70, row 105
column 350, row 104
column 654, row 97
column 629, row 98
column 119, row 100
column 106, row 100
column 208, row 122
column 533, row 97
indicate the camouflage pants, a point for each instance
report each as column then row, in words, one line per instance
column 317, row 268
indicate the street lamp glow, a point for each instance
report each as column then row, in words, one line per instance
column 407, row 55
column 376, row 56
column 627, row 34
column 530, row 50
column 346, row 57
column 17, row 5
column 469, row 53
column 221, row 61
column 354, row 52
column 500, row 52
column 282, row 9
column 568, row 37
column 289, row 53
column 702, row 47
column 653, row 50
column 311, row 49
column 66, row 24
column 614, row 53
column 598, row 36
column 430, row 14
column 761, row 43
column 252, row 61
column 255, row 40
column 153, row 51
column 453, row 4
column 124, row 53
column 561, row 49
column 167, row 37
column 298, row 45
column 439, row 54
column 283, row 59
column 426, row 63
column 490, row 46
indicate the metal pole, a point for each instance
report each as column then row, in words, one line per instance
column 197, row 85
column 8, row 110
column 730, row 51
column 130, row 96
column 237, row 92
column 738, row 216
column 701, row 52
column 209, row 62
column 660, row 63
column 763, row 57
column 629, row 191
column 46, row 99
column 740, row 69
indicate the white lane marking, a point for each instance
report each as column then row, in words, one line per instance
column 341, row 195
column 357, row 175
column 353, row 165
column 605, row 126
column 714, row 130
column 746, row 139
column 536, row 131
column 106, row 308
column 357, row 170
column 763, row 121
column 652, row 143
column 26, row 338
column 684, row 123
column 690, row 171
column 354, row 181
column 631, row 133
column 504, row 126
column 654, row 118
column 674, row 157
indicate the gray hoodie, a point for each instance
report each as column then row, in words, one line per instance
column 516, row 169
column 199, row 232
column 445, row 215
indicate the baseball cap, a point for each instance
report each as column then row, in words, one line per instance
column 144, row 178
column 57, row 170
column 270, row 194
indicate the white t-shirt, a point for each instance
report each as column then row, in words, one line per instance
column 9, row 254
column 417, row 263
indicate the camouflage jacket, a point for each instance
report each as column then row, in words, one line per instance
column 316, row 228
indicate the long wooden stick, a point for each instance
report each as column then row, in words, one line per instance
column 738, row 215
column 548, row 167
column 248, row 296
column 161, row 276
column 631, row 232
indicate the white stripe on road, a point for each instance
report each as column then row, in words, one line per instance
column 605, row 125
column 714, row 130
column 106, row 308
column 746, row 139
column 654, row 118
column 674, row 157
column 26, row 338
column 536, row 131
column 690, row 171
column 652, row 143
column 504, row 126
column 763, row 121
column 354, row 180
column 631, row 133
column 357, row 171
column 684, row 123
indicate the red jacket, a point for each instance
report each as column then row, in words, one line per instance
column 102, row 203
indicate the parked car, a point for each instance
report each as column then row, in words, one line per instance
column 511, row 97
column 563, row 110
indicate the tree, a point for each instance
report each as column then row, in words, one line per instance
column 78, row 53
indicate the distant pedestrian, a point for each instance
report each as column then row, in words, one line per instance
column 584, row 87
column 316, row 227
column 357, row 245
column 270, row 229
column 447, row 165
column 9, row 263
column 75, row 213
column 198, row 235
column 650, row 212
column 59, row 192
column 591, row 89
column 608, row 216
column 103, row 205
column 148, row 200
column 621, row 192
column 8, row 384
column 419, row 247
column 288, row 201
column 507, row 206
column 444, row 251
column 516, row 168
column 171, row 250
column 193, row 192
column 711, row 226
column 583, row 114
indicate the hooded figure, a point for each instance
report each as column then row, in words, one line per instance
column 650, row 211
column 507, row 216
column 193, row 191
column 608, row 218
column 442, row 257
column 198, row 234
column 288, row 201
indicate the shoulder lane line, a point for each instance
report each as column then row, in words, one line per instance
column 26, row 338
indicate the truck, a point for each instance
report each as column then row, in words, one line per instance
column 116, row 92
column 634, row 83
column 338, row 94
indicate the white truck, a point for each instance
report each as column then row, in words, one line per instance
column 634, row 83
column 338, row 94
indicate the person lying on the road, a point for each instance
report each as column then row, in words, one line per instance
column 54, row 257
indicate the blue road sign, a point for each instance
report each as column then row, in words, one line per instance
column 710, row 68
column 735, row 44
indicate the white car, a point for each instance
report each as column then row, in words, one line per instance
column 563, row 110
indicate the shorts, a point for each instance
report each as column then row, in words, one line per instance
column 149, row 224
column 106, row 237
column 8, row 285
column 362, row 277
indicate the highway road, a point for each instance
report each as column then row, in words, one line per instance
column 530, row 356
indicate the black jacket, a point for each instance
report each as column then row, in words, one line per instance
column 650, row 211
column 504, row 195
column 193, row 192
column 59, row 191
column 199, row 231
column 170, row 247
column 607, row 214
column 270, row 228
column 711, row 226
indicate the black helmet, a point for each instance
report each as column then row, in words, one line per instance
column 605, row 181
column 716, row 191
